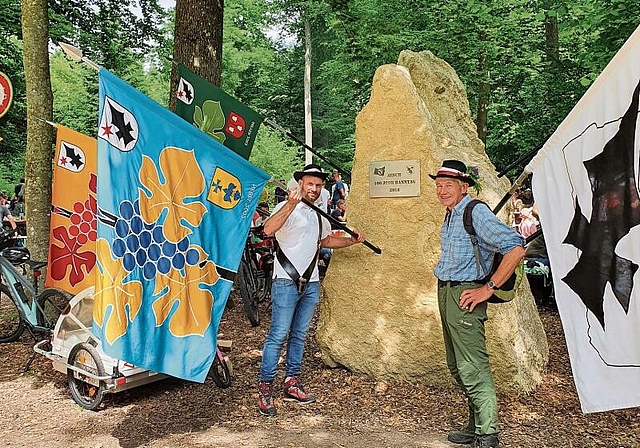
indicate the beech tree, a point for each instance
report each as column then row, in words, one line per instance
column 39, row 153
column 198, row 40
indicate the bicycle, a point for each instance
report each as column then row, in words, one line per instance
column 22, row 306
column 255, row 272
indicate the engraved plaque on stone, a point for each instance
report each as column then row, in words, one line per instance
column 394, row 178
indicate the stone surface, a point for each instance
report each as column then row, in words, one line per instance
column 379, row 313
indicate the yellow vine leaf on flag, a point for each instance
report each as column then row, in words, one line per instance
column 193, row 314
column 112, row 292
column 182, row 179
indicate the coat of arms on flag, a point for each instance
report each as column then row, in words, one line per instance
column 586, row 186
column 73, row 229
column 167, row 246
column 216, row 113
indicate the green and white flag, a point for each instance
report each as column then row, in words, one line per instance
column 216, row 113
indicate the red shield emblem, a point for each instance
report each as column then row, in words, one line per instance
column 6, row 93
column 235, row 126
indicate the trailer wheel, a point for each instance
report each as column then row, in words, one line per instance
column 87, row 358
column 220, row 373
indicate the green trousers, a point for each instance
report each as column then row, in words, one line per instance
column 467, row 357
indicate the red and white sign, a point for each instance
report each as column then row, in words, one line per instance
column 6, row 93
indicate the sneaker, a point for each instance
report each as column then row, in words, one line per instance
column 293, row 391
column 265, row 399
column 486, row 441
column 463, row 437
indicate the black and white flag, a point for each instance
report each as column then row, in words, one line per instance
column 586, row 185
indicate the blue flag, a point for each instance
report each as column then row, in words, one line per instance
column 174, row 209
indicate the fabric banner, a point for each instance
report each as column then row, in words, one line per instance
column 175, row 208
column 585, row 183
column 72, row 238
column 216, row 113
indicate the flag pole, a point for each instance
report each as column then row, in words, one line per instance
column 519, row 181
column 50, row 123
column 331, row 219
column 76, row 54
column 288, row 133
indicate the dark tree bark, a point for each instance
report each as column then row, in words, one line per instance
column 39, row 153
column 552, row 46
column 198, row 40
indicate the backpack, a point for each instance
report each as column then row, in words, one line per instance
column 507, row 291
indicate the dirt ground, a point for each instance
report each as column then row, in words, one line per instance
column 36, row 409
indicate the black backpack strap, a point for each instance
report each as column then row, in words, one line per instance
column 467, row 221
column 301, row 281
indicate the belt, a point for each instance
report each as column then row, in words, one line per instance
column 454, row 283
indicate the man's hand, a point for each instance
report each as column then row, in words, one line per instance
column 360, row 237
column 295, row 196
column 470, row 298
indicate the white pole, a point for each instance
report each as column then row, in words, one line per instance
column 308, row 129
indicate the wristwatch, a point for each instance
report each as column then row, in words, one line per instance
column 492, row 285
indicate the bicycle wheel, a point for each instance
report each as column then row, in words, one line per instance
column 264, row 278
column 220, row 373
column 11, row 325
column 247, row 284
column 85, row 357
column 51, row 303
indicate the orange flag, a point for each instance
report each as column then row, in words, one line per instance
column 72, row 239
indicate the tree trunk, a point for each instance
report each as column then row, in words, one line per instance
column 198, row 41
column 552, row 47
column 484, row 91
column 39, row 153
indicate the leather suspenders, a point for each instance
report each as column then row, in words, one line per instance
column 301, row 281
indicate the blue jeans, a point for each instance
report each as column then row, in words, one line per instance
column 291, row 314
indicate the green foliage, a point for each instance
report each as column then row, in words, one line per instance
column 496, row 44
column 75, row 94
column 274, row 155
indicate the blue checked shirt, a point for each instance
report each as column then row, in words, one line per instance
column 457, row 260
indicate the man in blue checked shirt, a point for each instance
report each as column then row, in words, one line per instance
column 463, row 295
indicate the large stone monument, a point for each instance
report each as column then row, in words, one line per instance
column 379, row 313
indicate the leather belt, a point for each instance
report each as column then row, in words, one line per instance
column 454, row 283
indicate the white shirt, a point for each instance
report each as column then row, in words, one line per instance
column 298, row 239
column 323, row 200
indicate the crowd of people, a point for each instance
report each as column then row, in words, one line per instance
column 524, row 218
column 12, row 208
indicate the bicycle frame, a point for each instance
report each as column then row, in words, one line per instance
column 23, row 293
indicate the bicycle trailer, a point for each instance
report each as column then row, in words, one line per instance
column 75, row 352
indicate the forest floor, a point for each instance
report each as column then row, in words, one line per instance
column 353, row 410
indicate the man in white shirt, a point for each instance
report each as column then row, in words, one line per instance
column 300, row 232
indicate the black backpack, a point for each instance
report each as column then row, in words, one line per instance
column 507, row 291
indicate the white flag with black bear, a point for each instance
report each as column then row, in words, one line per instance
column 586, row 186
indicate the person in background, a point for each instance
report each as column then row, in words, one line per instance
column 462, row 297
column 527, row 198
column 18, row 190
column 516, row 207
column 300, row 232
column 339, row 190
column 5, row 213
column 340, row 214
column 528, row 223
column 280, row 193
